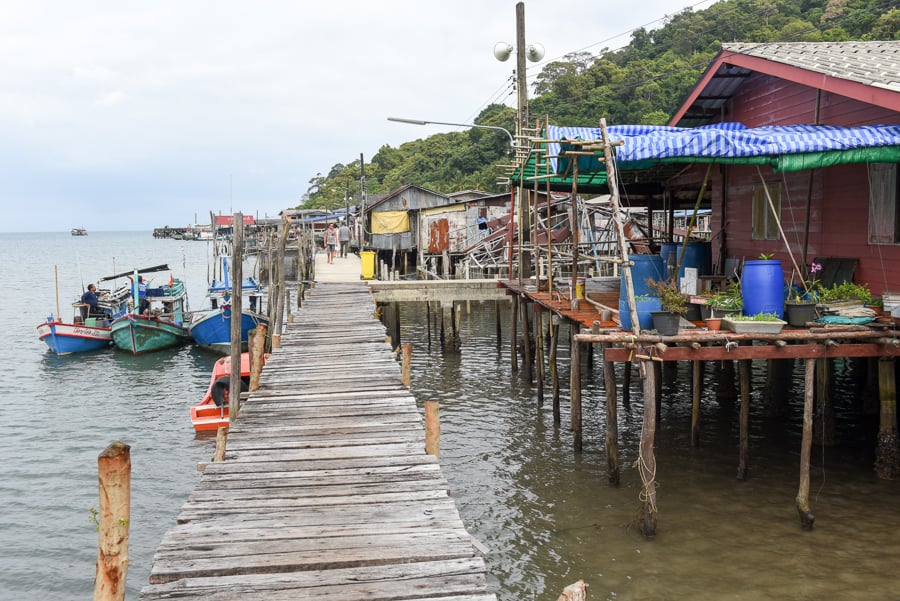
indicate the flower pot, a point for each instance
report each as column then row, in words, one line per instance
column 714, row 323
column 798, row 314
column 666, row 323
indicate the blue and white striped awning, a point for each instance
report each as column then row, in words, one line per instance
column 723, row 141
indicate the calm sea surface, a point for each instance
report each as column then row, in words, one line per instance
column 548, row 516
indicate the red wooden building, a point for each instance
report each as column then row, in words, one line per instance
column 848, row 210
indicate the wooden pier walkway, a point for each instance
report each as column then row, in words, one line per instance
column 326, row 492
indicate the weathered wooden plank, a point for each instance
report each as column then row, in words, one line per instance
column 325, row 491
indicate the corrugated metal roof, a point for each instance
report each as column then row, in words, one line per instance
column 870, row 63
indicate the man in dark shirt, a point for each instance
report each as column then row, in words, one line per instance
column 90, row 299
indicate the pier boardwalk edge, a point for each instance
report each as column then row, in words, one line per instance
column 326, row 491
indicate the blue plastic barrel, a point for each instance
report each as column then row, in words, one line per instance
column 645, row 308
column 697, row 255
column 762, row 287
column 645, row 267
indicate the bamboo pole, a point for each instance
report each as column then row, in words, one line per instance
column 237, row 277
column 114, row 516
column 407, row 360
column 807, row 519
column 432, row 428
column 575, row 391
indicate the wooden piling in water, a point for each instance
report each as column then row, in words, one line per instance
column 887, row 452
column 612, row 422
column 575, row 391
column 526, row 342
column 113, row 517
column 514, row 334
column 554, row 368
column 237, row 276
column 744, row 453
column 539, row 352
column 647, row 457
column 221, row 444
column 806, row 517
column 405, row 366
column 696, row 392
column 432, row 428
column 257, row 351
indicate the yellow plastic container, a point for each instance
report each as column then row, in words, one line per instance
column 579, row 287
column 368, row 264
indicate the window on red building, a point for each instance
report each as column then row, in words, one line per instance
column 765, row 220
column 883, row 213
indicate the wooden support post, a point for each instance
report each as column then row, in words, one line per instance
column 498, row 327
column 626, row 384
column 237, row 278
column 887, row 452
column 539, row 351
column 405, row 366
column 432, row 428
column 257, row 356
column 744, row 454
column 825, row 433
column 697, row 388
column 647, row 457
column 514, row 334
column 778, row 385
column 447, row 330
column 221, row 443
column 526, row 343
column 554, row 368
column 612, row 423
column 575, row 391
column 806, row 518
column 113, row 517
column 428, row 321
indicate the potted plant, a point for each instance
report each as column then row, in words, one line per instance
column 674, row 306
column 759, row 323
column 800, row 307
column 726, row 302
column 843, row 296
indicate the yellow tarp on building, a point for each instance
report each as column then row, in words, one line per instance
column 390, row 222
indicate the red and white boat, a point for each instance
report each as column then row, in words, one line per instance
column 212, row 412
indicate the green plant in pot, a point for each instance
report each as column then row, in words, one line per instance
column 674, row 306
column 726, row 302
column 800, row 306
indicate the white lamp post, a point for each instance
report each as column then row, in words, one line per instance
column 422, row 122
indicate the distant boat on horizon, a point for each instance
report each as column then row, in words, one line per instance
column 79, row 231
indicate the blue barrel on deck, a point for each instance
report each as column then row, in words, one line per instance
column 645, row 267
column 697, row 254
column 762, row 287
column 645, row 307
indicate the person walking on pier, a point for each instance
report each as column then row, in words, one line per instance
column 331, row 241
column 344, row 237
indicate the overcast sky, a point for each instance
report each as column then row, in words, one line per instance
column 128, row 116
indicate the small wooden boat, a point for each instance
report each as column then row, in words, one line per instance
column 211, row 413
column 162, row 324
column 211, row 327
column 79, row 231
column 86, row 332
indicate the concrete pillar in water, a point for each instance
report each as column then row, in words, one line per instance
column 554, row 368
column 806, row 517
column 647, row 458
column 744, row 368
column 612, row 422
column 575, row 391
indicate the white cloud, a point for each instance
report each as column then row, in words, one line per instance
column 159, row 102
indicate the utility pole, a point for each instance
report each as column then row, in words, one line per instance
column 523, row 220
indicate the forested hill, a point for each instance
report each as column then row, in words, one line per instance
column 641, row 83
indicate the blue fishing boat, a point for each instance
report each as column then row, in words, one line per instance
column 211, row 327
column 158, row 318
column 89, row 329
column 86, row 331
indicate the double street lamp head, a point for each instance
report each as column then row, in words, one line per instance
column 503, row 50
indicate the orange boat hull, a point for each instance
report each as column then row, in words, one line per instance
column 205, row 415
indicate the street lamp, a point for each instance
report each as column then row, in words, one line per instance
column 422, row 122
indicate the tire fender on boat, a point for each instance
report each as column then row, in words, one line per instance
column 221, row 387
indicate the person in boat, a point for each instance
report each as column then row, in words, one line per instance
column 331, row 241
column 143, row 303
column 90, row 302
